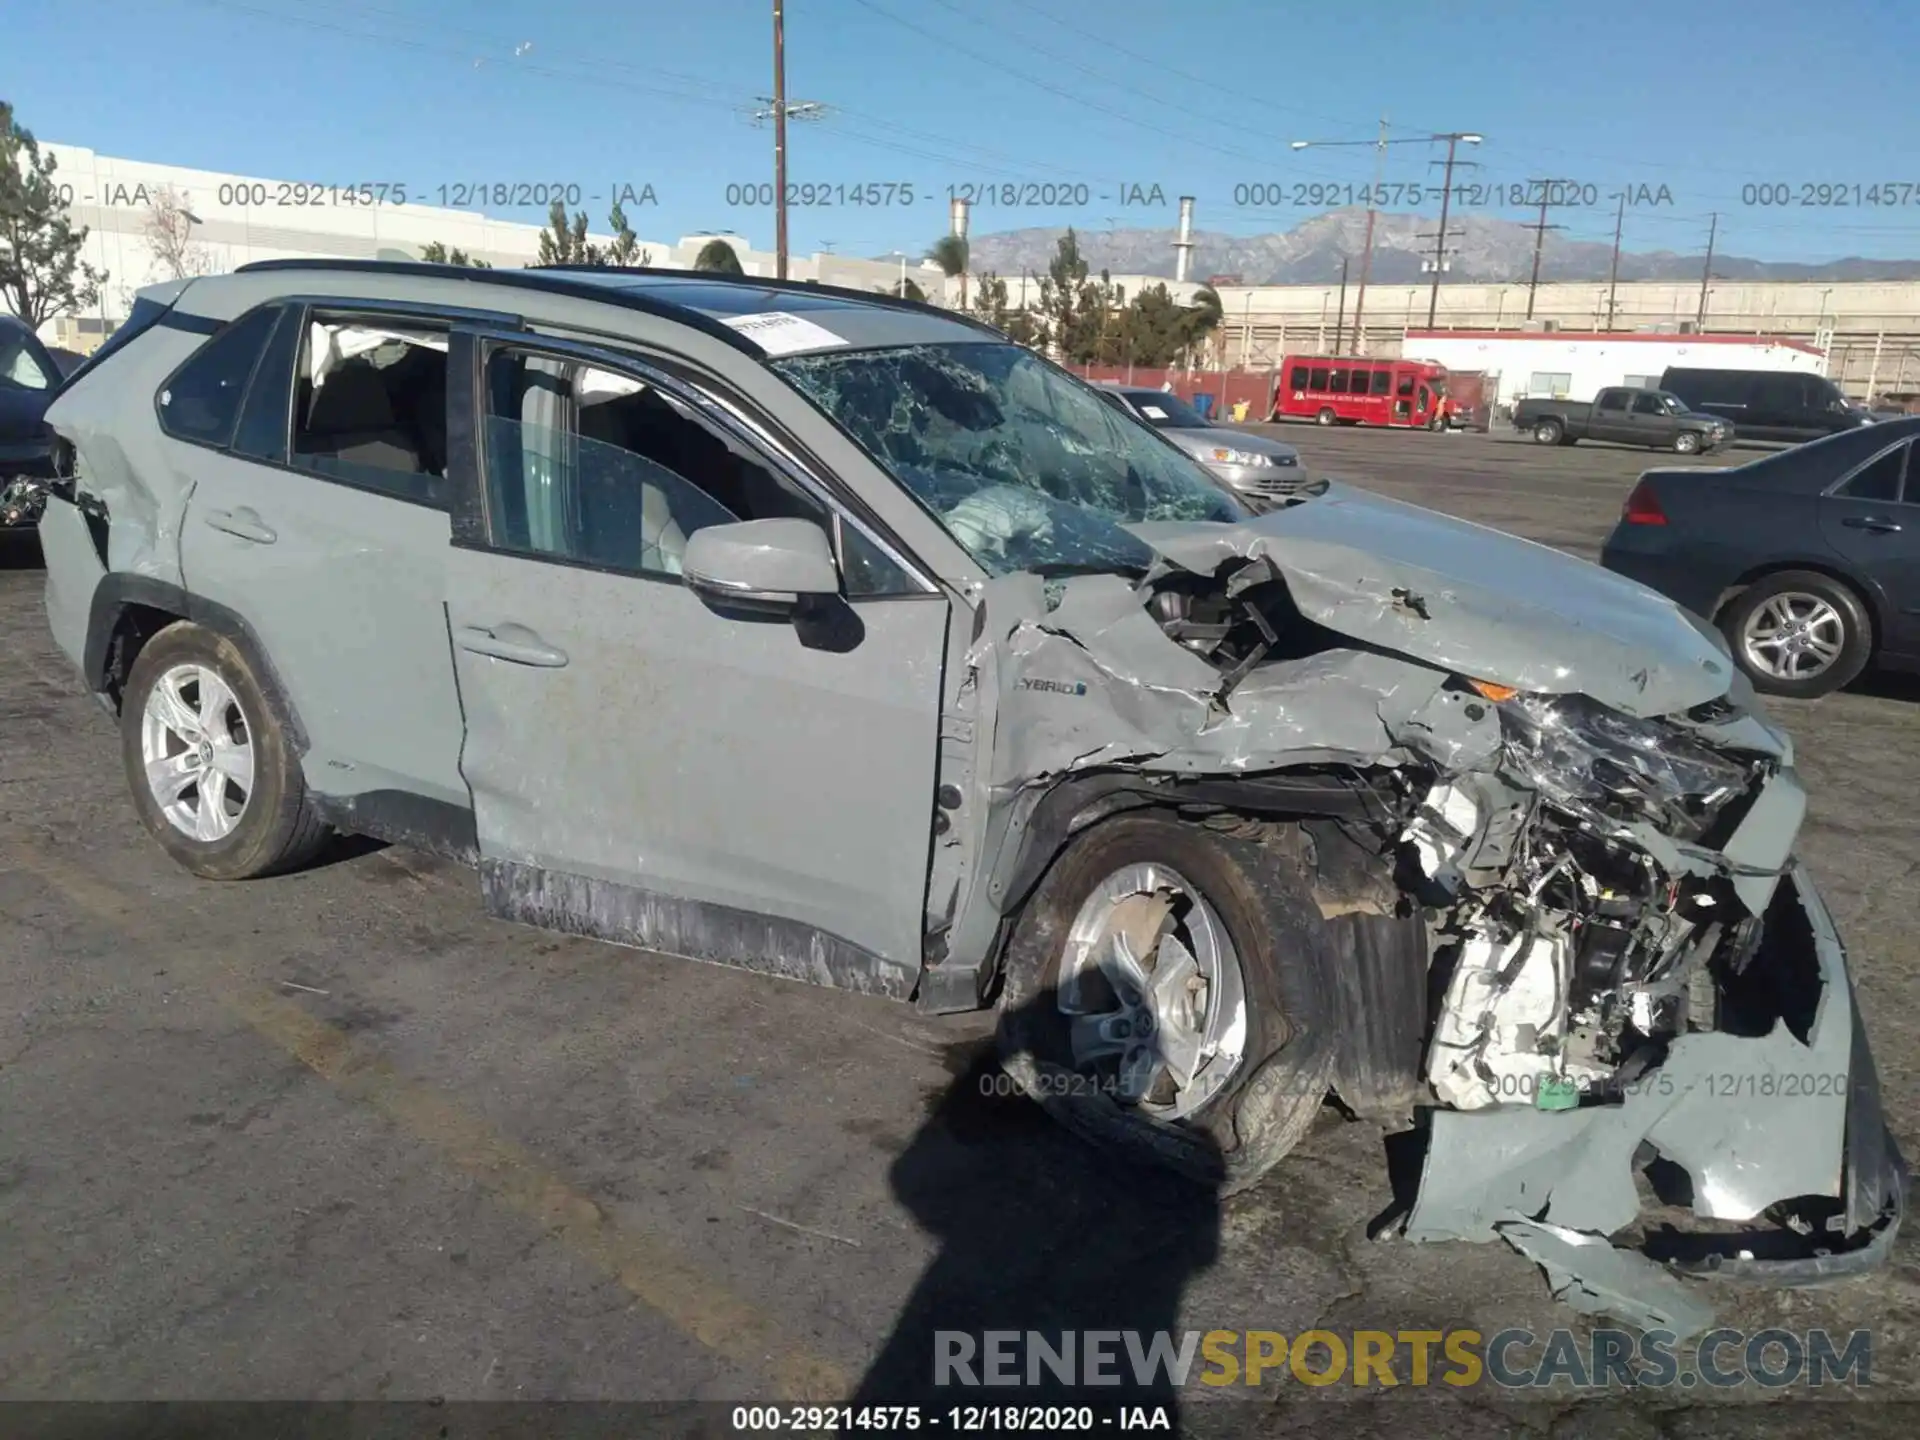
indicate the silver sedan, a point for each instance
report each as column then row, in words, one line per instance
column 1252, row 466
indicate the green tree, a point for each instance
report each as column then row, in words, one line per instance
column 41, row 272
column 625, row 249
column 1155, row 330
column 564, row 242
column 1070, row 309
column 990, row 304
column 950, row 253
column 435, row 253
column 716, row 257
column 908, row 290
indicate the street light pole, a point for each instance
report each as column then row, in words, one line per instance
column 779, row 140
column 1706, row 271
column 1366, row 246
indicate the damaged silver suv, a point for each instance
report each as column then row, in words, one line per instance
column 836, row 637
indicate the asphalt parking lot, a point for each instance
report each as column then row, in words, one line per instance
column 338, row 1135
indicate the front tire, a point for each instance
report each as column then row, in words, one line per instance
column 1799, row 633
column 1166, row 995
column 1547, row 432
column 1686, row 443
column 211, row 762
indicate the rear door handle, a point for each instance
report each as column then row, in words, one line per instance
column 1879, row 524
column 513, row 643
column 244, row 522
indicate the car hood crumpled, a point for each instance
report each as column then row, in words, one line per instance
column 1467, row 599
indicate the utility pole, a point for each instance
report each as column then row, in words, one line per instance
column 1539, row 228
column 1453, row 140
column 779, row 140
column 1613, row 270
column 1366, row 247
column 1706, row 271
column 1340, row 313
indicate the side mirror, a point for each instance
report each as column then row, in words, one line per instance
column 760, row 563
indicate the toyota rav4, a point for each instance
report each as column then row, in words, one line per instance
column 836, row 637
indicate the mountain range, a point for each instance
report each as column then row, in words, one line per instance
column 1480, row 248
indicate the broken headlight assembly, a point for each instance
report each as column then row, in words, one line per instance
column 1612, row 768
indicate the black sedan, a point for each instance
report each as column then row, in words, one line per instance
column 1807, row 559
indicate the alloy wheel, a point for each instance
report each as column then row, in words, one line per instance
column 1793, row 636
column 197, row 748
column 1151, row 987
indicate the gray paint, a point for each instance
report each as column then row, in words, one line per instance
column 1592, row 1277
column 1468, row 599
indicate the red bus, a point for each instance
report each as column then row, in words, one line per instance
column 1353, row 390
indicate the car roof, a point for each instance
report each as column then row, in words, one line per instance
column 855, row 319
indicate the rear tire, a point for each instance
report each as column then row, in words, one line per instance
column 1243, row 1118
column 1799, row 633
column 211, row 762
column 1547, row 432
column 1326, row 415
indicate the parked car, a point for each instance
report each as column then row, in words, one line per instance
column 1627, row 416
column 1808, row 559
column 1255, row 467
column 30, row 373
column 834, row 636
column 1787, row 405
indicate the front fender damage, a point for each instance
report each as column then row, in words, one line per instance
column 1642, row 1016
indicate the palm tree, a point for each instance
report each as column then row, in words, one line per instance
column 949, row 252
column 908, row 290
column 1204, row 314
column 717, row 257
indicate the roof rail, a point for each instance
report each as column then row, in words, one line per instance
column 528, row 279
column 803, row 287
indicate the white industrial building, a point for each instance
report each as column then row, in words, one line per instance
column 1572, row 365
column 237, row 219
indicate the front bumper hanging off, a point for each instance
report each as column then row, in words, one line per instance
column 1767, row 1128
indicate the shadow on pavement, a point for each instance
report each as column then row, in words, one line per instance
column 1039, row 1232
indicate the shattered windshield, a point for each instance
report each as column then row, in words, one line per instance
column 1026, row 468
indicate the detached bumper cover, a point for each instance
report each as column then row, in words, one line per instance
column 1791, row 1116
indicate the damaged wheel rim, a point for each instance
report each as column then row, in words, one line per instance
column 1793, row 636
column 197, row 749
column 1152, row 991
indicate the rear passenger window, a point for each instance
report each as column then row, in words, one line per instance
column 370, row 404
column 202, row 400
column 1319, row 378
column 1880, row 480
column 592, row 466
column 1382, row 381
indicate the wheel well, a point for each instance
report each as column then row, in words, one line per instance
column 1839, row 577
column 132, row 628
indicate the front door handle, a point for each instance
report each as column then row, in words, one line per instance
column 1878, row 524
column 244, row 522
column 513, row 643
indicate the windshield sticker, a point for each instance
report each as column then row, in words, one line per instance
column 779, row 333
column 1153, row 412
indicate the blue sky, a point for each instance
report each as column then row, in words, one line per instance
column 1706, row 99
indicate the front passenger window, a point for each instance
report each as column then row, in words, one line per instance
column 600, row 468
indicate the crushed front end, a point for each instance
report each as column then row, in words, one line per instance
column 1646, row 1012
column 1573, row 935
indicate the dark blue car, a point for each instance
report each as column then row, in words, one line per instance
column 30, row 374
